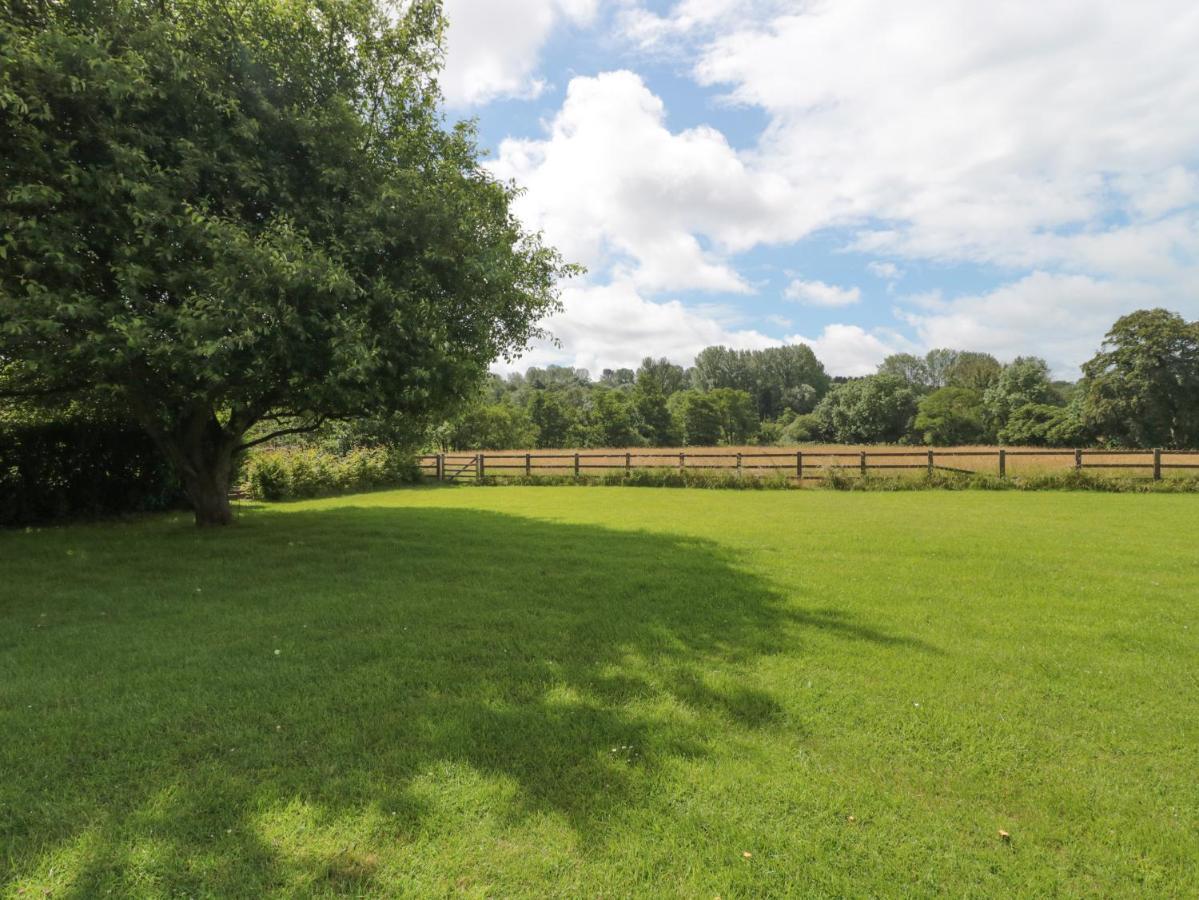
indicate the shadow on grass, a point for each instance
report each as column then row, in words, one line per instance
column 217, row 711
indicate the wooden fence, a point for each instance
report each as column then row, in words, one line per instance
column 799, row 465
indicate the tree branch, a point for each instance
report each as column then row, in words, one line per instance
column 298, row 429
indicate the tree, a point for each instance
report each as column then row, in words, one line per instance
column 911, row 369
column 490, row 426
column 874, row 409
column 976, row 371
column 554, row 417
column 738, row 415
column 1023, row 381
column 616, row 378
column 653, row 412
column 660, row 376
column 698, row 418
column 1042, row 425
column 1142, row 388
column 225, row 217
column 950, row 416
column 613, row 420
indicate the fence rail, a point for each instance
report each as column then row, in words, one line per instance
column 798, row 465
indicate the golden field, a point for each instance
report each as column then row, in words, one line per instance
column 815, row 458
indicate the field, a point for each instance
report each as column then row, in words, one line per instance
column 558, row 691
column 817, row 458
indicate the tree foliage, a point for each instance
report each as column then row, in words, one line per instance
column 1142, row 388
column 219, row 215
column 875, row 409
column 951, row 415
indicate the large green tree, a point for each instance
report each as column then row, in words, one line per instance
column 1142, row 388
column 874, row 409
column 951, row 416
column 241, row 219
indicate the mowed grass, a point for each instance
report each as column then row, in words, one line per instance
column 607, row 692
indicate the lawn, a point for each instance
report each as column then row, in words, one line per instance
column 607, row 692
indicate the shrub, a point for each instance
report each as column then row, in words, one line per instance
column 80, row 468
column 294, row 474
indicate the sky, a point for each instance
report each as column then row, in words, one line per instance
column 863, row 176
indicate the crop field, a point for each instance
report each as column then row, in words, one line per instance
column 814, row 459
column 558, row 691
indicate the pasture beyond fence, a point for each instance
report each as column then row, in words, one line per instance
column 797, row 465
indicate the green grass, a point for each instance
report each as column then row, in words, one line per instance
column 574, row 692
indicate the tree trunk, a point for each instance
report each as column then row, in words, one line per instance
column 209, row 494
column 202, row 453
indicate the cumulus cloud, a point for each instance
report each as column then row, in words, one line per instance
column 613, row 325
column 850, row 349
column 817, row 293
column 492, row 48
column 612, row 186
column 1061, row 317
column 964, row 130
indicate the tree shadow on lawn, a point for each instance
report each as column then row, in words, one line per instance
column 198, row 700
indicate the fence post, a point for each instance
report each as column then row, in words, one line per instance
column 799, row 467
column 479, row 466
column 682, row 461
column 1077, row 459
column 628, row 462
column 528, row 465
column 863, row 463
column 441, row 467
column 1002, row 463
column 738, row 465
column 1157, row 464
column 930, row 462
column 576, row 465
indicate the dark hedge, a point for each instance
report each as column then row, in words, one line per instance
column 79, row 469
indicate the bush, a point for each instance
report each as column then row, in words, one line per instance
column 293, row 474
column 80, row 468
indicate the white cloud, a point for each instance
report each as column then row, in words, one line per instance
column 885, row 270
column 850, row 349
column 611, row 185
column 963, row 130
column 613, row 325
column 817, row 293
column 493, row 47
column 1061, row 317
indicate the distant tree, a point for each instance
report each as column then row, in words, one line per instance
column 875, row 409
column 490, row 426
column 616, row 378
column 698, row 418
column 239, row 220
column 1041, row 425
column 950, row 416
column 554, row 417
column 908, row 368
column 1023, row 381
column 613, row 420
column 1142, row 388
column 938, row 363
column 800, row 430
column 782, row 378
column 653, row 413
column 557, row 378
column 660, row 376
column 977, row 371
column 775, row 377
column 738, row 415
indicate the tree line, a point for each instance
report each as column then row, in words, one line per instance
column 1141, row 389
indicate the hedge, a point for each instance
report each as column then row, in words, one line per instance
column 80, row 469
column 293, row 474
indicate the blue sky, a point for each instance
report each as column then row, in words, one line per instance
column 864, row 176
